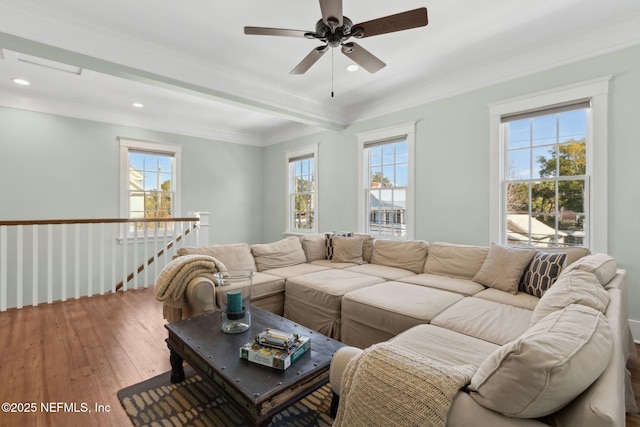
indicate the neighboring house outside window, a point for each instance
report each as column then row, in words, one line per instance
column 386, row 182
column 302, row 197
column 549, row 176
column 149, row 181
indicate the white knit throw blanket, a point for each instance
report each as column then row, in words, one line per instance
column 389, row 385
column 173, row 280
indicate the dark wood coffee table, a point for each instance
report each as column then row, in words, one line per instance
column 258, row 392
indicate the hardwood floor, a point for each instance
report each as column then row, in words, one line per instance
column 80, row 351
column 84, row 351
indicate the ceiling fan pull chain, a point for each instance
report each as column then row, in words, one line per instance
column 332, row 73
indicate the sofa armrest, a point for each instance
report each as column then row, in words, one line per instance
column 199, row 298
column 338, row 365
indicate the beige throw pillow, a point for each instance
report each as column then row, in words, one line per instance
column 347, row 249
column 504, row 267
column 547, row 366
column 315, row 247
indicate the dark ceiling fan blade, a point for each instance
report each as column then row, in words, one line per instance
column 362, row 57
column 392, row 23
column 309, row 60
column 263, row 31
column 331, row 9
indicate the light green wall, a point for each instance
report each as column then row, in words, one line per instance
column 452, row 162
column 57, row 167
column 54, row 167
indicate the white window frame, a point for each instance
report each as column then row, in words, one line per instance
column 597, row 91
column 130, row 144
column 403, row 130
column 309, row 151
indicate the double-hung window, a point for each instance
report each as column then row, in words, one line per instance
column 545, row 177
column 386, row 182
column 302, row 167
column 149, row 182
column 549, row 168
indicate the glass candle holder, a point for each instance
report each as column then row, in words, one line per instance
column 234, row 298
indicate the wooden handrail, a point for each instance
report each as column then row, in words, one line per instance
column 150, row 261
column 94, row 221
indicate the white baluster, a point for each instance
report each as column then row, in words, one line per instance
column 19, row 266
column 76, row 232
column 34, row 265
column 49, row 263
column 3, row 268
column 102, row 244
column 90, row 260
column 63, row 262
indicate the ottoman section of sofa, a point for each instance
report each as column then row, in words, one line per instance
column 380, row 312
column 314, row 300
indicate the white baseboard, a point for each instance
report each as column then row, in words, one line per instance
column 635, row 330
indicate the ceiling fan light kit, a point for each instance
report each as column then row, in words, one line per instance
column 335, row 29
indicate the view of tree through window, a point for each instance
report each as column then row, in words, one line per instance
column 388, row 172
column 150, row 186
column 546, row 179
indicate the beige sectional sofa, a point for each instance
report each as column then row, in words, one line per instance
column 542, row 354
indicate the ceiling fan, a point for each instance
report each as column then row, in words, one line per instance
column 335, row 29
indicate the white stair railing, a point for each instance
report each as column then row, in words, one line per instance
column 54, row 260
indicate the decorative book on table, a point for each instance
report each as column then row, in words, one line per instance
column 275, row 357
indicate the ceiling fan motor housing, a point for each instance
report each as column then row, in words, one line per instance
column 335, row 37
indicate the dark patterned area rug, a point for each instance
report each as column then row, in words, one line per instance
column 194, row 402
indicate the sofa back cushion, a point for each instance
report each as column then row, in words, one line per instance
column 236, row 256
column 283, row 253
column 574, row 253
column 547, row 366
column 602, row 265
column 576, row 287
column 460, row 261
column 409, row 255
column 315, row 247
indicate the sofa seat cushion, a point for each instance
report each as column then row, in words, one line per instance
column 384, row 271
column 521, row 299
column 379, row 312
column 330, row 264
column 283, row 253
column 445, row 346
column 295, row 270
column 486, row 320
column 461, row 261
column 236, row 256
column 315, row 299
column 408, row 255
column 465, row 287
column 576, row 287
column 548, row 366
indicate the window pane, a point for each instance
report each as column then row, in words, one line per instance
column 573, row 158
column 519, row 166
column 375, row 156
column 545, row 162
column 572, row 125
column 543, row 197
column 517, row 198
column 544, row 130
column 519, row 134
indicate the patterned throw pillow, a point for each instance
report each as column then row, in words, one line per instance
column 542, row 272
column 329, row 237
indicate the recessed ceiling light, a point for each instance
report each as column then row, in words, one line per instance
column 21, row 82
column 352, row 68
column 137, row 105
